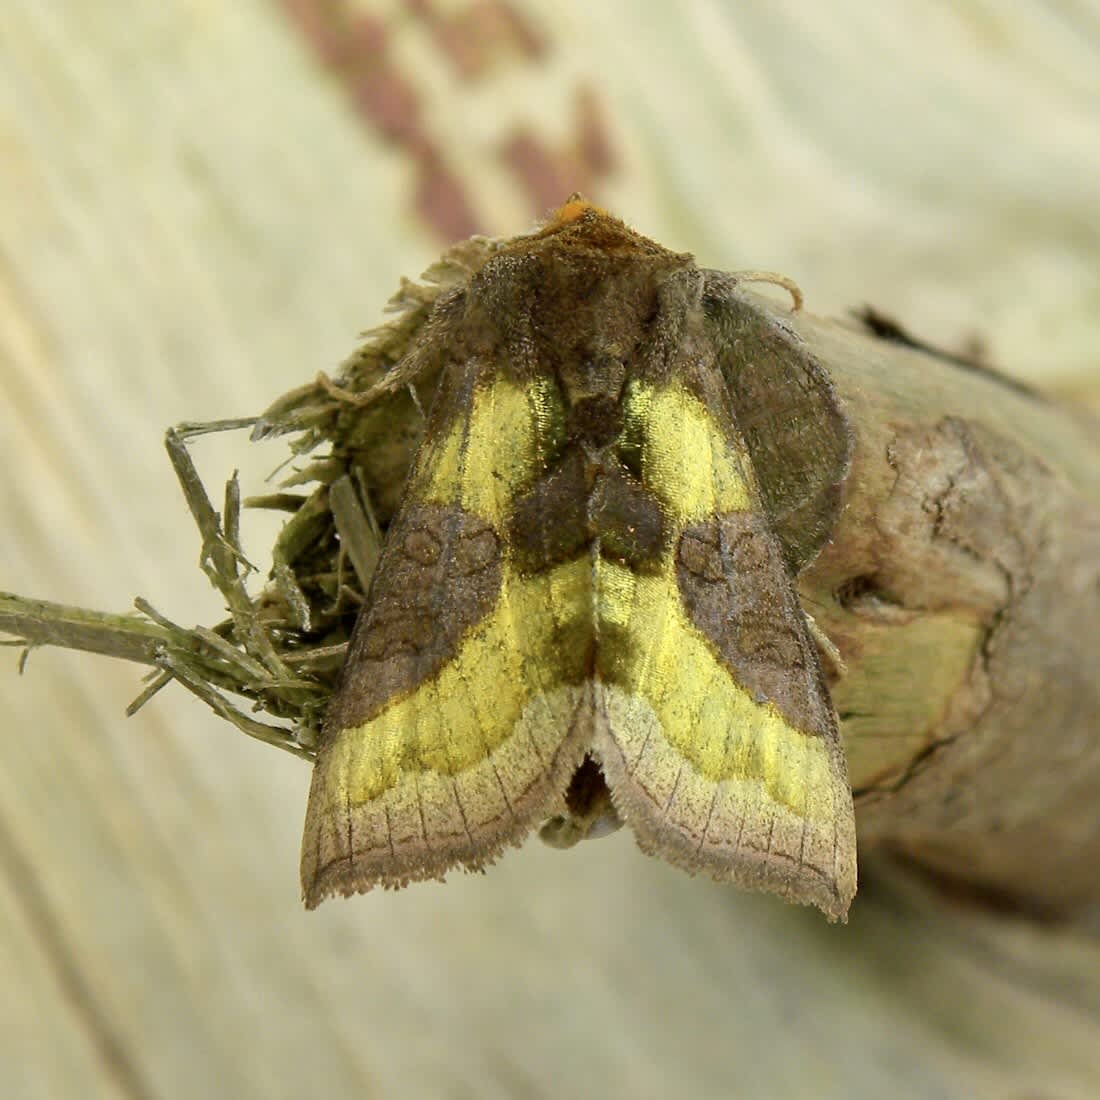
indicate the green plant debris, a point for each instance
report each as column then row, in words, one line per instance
column 272, row 664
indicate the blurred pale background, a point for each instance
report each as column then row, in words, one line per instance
column 201, row 204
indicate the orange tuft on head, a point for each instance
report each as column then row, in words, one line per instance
column 573, row 209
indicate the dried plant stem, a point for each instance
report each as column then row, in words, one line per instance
column 43, row 622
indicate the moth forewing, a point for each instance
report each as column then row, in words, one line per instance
column 582, row 571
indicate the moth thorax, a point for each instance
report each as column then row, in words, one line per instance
column 584, row 376
column 592, row 386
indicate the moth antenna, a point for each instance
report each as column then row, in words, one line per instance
column 775, row 279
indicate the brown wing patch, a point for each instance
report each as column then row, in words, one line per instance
column 738, row 594
column 440, row 575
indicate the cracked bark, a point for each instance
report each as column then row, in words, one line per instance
column 962, row 588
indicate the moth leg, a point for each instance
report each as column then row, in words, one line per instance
column 589, row 810
column 340, row 393
column 831, row 659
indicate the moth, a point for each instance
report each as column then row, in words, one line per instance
column 585, row 609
